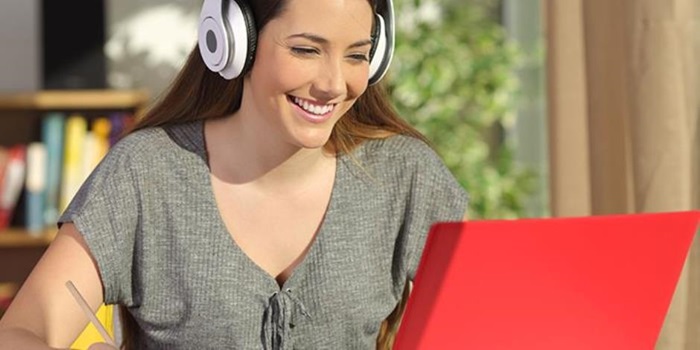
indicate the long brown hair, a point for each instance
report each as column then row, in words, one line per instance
column 198, row 94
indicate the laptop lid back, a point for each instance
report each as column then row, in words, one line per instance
column 601, row 282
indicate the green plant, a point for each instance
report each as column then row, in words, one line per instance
column 453, row 77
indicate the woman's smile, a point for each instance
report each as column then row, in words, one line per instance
column 311, row 111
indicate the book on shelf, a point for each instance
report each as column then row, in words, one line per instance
column 43, row 175
column 73, row 151
column 52, row 125
column 12, row 182
column 35, row 187
column 119, row 124
column 4, row 157
column 100, row 130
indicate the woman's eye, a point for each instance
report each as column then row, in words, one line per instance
column 304, row 51
column 359, row 57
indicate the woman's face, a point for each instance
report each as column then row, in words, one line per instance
column 311, row 65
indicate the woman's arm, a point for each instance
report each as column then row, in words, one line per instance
column 44, row 313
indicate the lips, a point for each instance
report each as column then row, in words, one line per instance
column 312, row 112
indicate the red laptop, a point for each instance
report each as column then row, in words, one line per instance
column 601, row 282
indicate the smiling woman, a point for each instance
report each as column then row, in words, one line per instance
column 325, row 64
column 271, row 199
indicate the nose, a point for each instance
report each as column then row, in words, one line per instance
column 330, row 82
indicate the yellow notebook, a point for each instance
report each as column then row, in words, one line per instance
column 90, row 335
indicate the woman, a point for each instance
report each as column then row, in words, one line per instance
column 284, row 208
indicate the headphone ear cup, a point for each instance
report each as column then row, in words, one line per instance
column 227, row 37
column 382, row 50
column 252, row 34
column 213, row 37
column 240, row 23
column 380, row 53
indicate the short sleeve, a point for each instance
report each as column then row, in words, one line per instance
column 434, row 196
column 105, row 212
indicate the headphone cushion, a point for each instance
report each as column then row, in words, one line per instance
column 375, row 36
column 380, row 52
column 251, row 33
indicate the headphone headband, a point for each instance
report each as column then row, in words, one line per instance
column 227, row 38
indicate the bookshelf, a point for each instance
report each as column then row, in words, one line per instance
column 21, row 115
column 19, row 238
column 74, row 100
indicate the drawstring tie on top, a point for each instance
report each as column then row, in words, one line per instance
column 278, row 319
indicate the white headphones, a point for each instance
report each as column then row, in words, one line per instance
column 228, row 37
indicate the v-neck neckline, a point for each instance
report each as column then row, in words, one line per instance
column 298, row 270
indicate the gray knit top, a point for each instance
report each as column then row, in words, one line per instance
column 150, row 219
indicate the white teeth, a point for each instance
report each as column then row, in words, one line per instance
column 311, row 108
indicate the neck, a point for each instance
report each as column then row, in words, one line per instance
column 239, row 155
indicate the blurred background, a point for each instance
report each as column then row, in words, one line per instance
column 541, row 108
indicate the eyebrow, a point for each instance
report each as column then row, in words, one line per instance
column 323, row 41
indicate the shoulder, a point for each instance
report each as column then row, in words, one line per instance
column 128, row 157
column 158, row 143
column 397, row 150
column 140, row 141
column 397, row 162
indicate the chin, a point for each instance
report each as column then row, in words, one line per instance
column 316, row 144
column 314, row 141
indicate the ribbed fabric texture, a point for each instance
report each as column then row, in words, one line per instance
column 151, row 221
